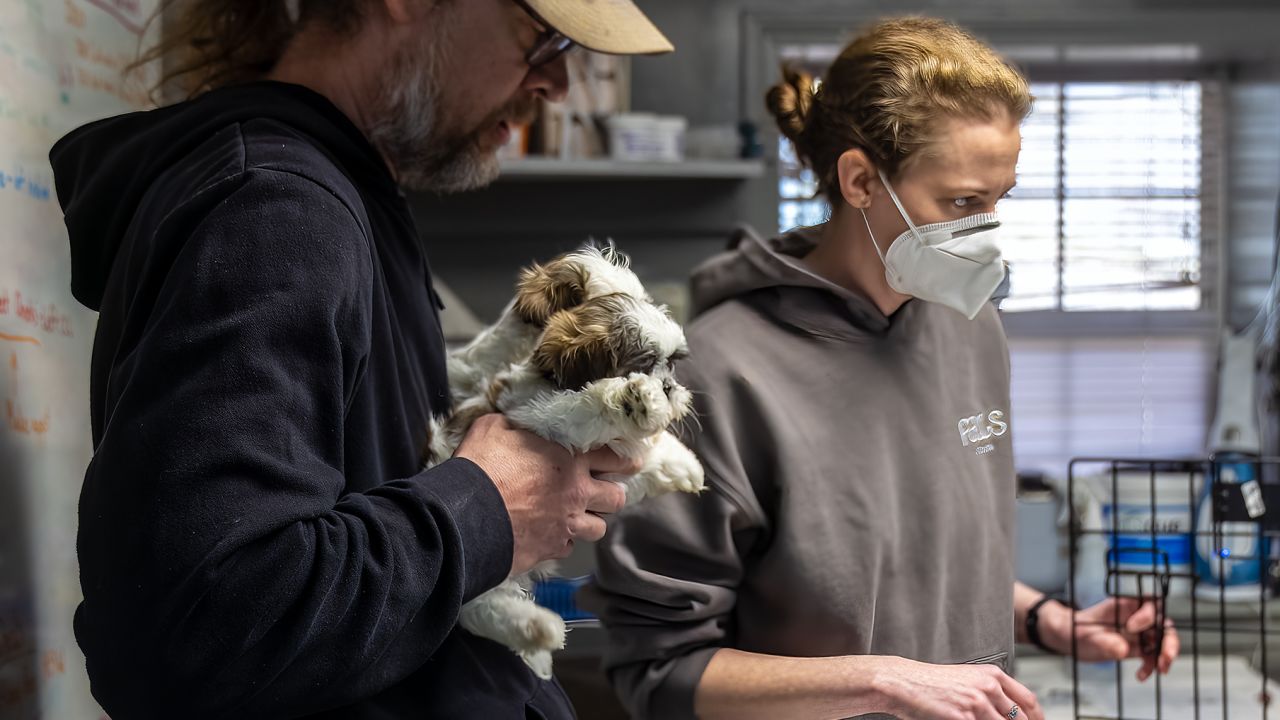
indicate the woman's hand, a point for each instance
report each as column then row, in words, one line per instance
column 911, row 689
column 1114, row 629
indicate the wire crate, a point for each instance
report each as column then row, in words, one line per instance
column 1187, row 536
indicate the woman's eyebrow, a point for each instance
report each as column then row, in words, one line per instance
column 972, row 188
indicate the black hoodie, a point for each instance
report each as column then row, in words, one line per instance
column 256, row 539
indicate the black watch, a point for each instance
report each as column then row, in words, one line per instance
column 1032, row 624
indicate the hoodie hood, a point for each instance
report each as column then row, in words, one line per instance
column 802, row 298
column 103, row 170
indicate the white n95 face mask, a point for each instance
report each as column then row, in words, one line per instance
column 954, row 263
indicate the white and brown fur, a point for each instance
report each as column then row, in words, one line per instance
column 582, row 357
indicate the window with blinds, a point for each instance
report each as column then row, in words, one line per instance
column 1107, row 212
column 1108, row 216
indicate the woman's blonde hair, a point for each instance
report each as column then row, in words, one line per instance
column 887, row 92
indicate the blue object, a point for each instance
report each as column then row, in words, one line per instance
column 556, row 594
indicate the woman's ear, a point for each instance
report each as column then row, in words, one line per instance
column 857, row 177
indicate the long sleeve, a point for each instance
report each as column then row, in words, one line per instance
column 669, row 568
column 227, row 570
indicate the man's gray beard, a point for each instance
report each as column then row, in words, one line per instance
column 407, row 130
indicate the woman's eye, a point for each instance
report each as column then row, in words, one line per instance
column 1007, row 195
column 963, row 201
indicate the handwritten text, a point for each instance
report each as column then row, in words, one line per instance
column 46, row 317
column 16, row 420
column 20, row 182
column 86, row 78
column 88, row 51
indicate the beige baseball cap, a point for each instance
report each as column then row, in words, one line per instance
column 608, row 26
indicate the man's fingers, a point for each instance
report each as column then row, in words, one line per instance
column 603, row 461
column 586, row 527
column 605, row 496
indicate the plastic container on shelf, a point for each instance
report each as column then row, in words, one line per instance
column 644, row 137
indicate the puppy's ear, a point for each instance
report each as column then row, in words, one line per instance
column 544, row 290
column 577, row 347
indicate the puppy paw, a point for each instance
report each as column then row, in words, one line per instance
column 675, row 477
column 642, row 403
column 669, row 466
column 542, row 630
column 683, row 473
column 539, row 661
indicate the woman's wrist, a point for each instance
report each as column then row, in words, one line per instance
column 1054, row 624
column 882, row 686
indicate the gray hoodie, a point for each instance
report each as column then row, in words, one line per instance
column 861, row 493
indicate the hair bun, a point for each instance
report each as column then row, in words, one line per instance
column 790, row 101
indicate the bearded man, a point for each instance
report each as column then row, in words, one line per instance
column 256, row 537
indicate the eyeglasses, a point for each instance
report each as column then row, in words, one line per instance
column 551, row 43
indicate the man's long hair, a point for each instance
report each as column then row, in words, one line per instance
column 206, row 44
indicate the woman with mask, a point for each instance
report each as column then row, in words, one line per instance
column 854, row 552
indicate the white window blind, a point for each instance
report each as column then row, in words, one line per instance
column 1107, row 212
column 1108, row 398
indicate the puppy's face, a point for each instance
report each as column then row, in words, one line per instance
column 572, row 279
column 613, row 335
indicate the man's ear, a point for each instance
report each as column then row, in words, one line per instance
column 857, row 177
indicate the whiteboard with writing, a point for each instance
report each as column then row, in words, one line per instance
column 62, row 64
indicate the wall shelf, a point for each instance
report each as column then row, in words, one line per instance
column 535, row 169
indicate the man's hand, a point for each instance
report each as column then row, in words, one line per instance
column 1110, row 630
column 552, row 496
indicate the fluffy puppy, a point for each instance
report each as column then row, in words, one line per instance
column 584, row 358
